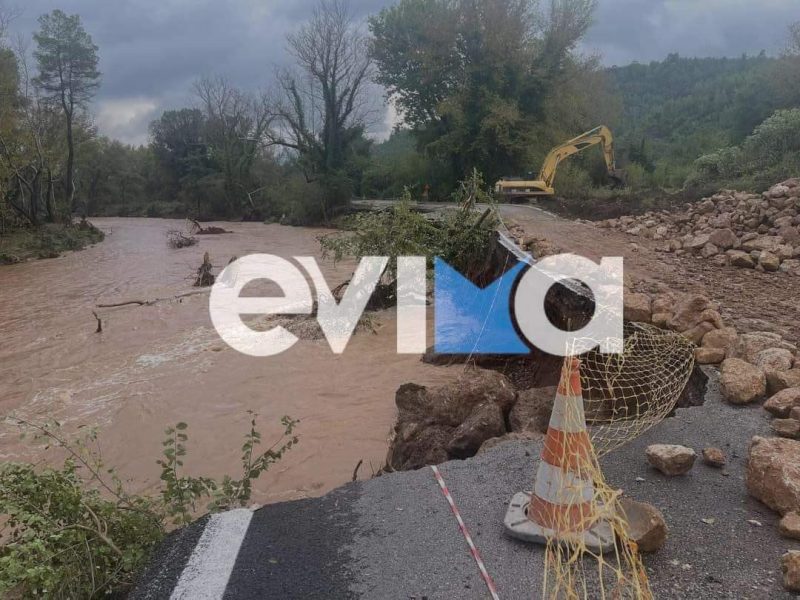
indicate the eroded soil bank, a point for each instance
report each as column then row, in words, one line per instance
column 153, row 366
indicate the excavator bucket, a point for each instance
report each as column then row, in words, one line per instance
column 618, row 179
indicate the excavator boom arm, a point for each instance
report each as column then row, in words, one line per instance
column 599, row 135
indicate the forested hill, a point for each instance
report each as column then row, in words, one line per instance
column 679, row 109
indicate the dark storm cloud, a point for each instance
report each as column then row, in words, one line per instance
column 645, row 30
column 153, row 50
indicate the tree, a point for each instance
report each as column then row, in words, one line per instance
column 178, row 139
column 30, row 149
column 68, row 74
column 323, row 109
column 236, row 124
column 473, row 77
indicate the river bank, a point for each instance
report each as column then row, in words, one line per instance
column 46, row 241
column 154, row 366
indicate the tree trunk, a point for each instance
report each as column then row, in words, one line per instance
column 70, row 174
column 50, row 201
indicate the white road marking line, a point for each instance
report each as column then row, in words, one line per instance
column 206, row 574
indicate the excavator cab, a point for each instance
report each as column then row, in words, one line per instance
column 517, row 188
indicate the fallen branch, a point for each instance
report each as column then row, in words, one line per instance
column 154, row 300
column 99, row 323
column 212, row 230
column 355, row 471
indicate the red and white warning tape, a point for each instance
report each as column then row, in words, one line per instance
column 472, row 548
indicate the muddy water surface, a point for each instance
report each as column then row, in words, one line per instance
column 156, row 365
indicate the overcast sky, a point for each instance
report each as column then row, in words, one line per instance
column 152, row 50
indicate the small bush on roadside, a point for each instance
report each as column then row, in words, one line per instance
column 73, row 532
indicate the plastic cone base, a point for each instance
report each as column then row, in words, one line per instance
column 600, row 538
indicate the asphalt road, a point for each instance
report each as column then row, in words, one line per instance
column 395, row 537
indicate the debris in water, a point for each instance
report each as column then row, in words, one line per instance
column 176, row 239
column 205, row 277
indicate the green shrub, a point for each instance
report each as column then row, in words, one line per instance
column 770, row 154
column 181, row 494
column 572, row 181
column 63, row 539
column 460, row 237
column 73, row 532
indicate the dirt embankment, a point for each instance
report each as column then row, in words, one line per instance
column 47, row 241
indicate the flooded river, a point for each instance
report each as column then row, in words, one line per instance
column 153, row 366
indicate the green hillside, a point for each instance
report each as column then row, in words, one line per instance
column 680, row 109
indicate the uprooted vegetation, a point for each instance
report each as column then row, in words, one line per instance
column 205, row 276
column 74, row 532
column 463, row 238
column 177, row 239
column 198, row 229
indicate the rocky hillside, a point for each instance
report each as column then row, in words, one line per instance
column 745, row 230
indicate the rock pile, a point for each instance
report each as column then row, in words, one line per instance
column 753, row 365
column 692, row 315
column 744, row 230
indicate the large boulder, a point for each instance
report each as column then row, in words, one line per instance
column 741, row 382
column 532, row 410
column 417, row 445
column 781, row 404
column 724, row 338
column 790, row 567
column 790, row 234
column 671, row 459
column 646, row 525
column 485, row 422
column 698, row 332
column 664, row 303
column 723, row 238
column 769, row 261
column 741, row 259
column 780, row 380
column 689, row 311
column 750, row 344
column 773, row 473
column 787, row 428
column 762, row 243
column 774, row 359
column 792, row 267
column 709, row 356
column 450, row 421
column 451, row 404
column 636, row 307
column 789, row 526
column 697, row 242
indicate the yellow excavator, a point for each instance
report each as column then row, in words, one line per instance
column 519, row 188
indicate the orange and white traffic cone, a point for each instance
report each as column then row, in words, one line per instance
column 562, row 506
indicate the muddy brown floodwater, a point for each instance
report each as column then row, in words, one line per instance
column 153, row 366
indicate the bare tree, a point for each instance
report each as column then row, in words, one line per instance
column 7, row 15
column 236, row 129
column 323, row 107
column 30, row 149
